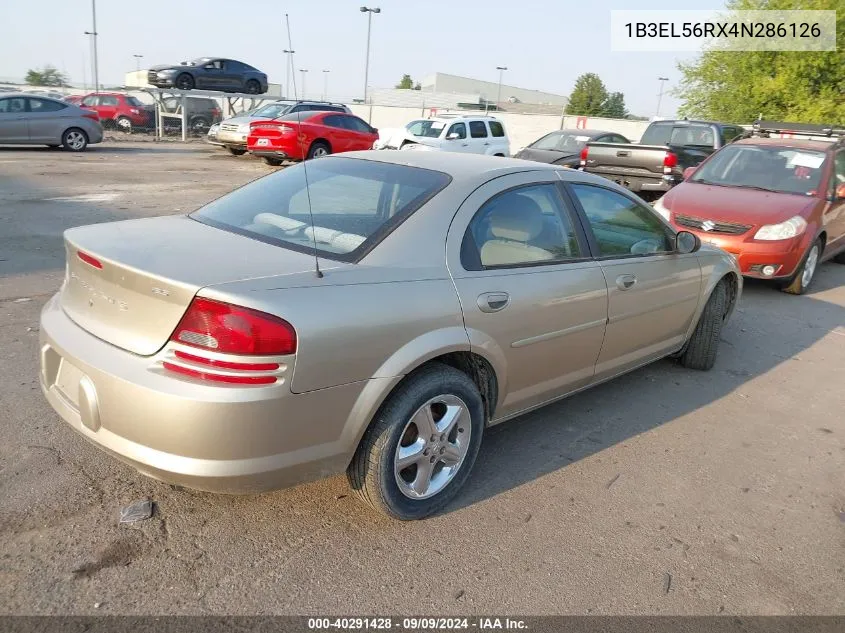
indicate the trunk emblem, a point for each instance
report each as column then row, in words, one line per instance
column 708, row 225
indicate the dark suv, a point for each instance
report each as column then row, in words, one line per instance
column 203, row 112
column 232, row 133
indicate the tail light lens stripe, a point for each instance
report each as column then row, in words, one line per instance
column 88, row 259
column 212, row 377
column 225, row 364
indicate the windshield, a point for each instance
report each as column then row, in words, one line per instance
column 781, row 169
column 355, row 204
column 133, row 101
column 571, row 143
column 272, row 110
column 427, row 129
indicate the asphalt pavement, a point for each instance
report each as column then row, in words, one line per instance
column 666, row 491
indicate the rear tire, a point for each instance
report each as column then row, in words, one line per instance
column 273, row 162
column 700, row 352
column 234, row 151
column 124, row 124
column 74, row 140
column 318, row 149
column 252, row 87
column 806, row 271
column 184, row 82
column 437, row 394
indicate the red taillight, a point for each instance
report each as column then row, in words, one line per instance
column 92, row 115
column 226, row 364
column 269, row 125
column 670, row 160
column 215, row 112
column 231, row 379
column 584, row 153
column 230, row 329
column 91, row 261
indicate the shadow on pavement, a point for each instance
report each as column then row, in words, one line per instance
column 779, row 328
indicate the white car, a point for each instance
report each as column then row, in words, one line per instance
column 470, row 134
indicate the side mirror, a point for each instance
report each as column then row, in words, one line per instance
column 689, row 171
column 840, row 192
column 452, row 136
column 686, row 242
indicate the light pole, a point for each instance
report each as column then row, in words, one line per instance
column 93, row 34
column 369, row 12
column 303, row 71
column 326, row 84
column 137, row 62
column 287, row 72
column 660, row 96
column 501, row 70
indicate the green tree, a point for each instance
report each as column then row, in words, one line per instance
column 406, row 83
column 588, row 96
column 614, row 106
column 47, row 76
column 789, row 86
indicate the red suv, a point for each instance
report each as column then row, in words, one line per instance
column 777, row 204
column 118, row 110
column 309, row 135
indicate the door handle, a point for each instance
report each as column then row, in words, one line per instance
column 466, row 144
column 625, row 282
column 493, row 301
column 622, row 153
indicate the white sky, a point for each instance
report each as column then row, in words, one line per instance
column 545, row 44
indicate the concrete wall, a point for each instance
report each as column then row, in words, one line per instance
column 442, row 82
column 522, row 128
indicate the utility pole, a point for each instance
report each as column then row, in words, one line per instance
column 501, row 70
column 662, row 80
column 289, row 54
column 303, row 71
column 93, row 35
column 369, row 12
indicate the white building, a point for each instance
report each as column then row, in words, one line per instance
column 488, row 90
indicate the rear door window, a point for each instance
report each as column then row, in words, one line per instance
column 44, row 105
column 477, row 129
column 497, row 129
column 109, row 101
column 13, row 105
column 354, row 204
column 90, row 101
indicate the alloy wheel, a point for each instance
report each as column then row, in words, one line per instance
column 76, row 140
column 432, row 447
column 810, row 266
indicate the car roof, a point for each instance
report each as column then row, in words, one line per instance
column 4, row 95
column 585, row 132
column 455, row 164
column 796, row 143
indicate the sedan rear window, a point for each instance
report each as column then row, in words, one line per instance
column 355, row 204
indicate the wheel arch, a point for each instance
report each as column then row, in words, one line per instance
column 322, row 140
column 449, row 346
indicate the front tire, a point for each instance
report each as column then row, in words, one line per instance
column 184, row 82
column 234, row 151
column 318, row 149
column 422, row 444
column 806, row 271
column 74, row 140
column 700, row 352
column 200, row 125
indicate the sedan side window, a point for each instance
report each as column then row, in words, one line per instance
column 458, row 128
column 621, row 226
column 527, row 225
column 358, row 125
column 12, row 106
column 42, row 105
column 334, row 121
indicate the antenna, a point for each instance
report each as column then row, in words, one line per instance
column 317, row 270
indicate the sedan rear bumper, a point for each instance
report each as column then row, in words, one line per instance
column 232, row 439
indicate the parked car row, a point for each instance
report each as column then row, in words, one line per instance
column 27, row 119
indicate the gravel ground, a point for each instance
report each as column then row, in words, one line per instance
column 666, row 491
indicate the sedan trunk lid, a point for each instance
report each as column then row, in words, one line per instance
column 129, row 283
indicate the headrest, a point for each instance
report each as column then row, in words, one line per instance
column 516, row 217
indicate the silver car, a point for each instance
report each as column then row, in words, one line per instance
column 27, row 119
column 374, row 318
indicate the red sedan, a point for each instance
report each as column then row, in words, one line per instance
column 777, row 204
column 309, row 135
